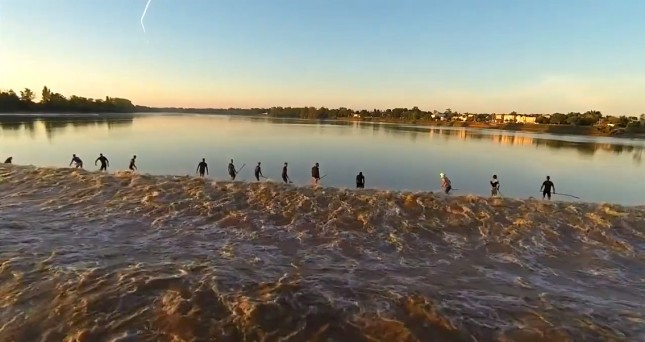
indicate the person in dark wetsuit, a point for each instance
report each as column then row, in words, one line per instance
column 231, row 170
column 78, row 163
column 202, row 168
column 494, row 183
column 104, row 162
column 258, row 172
column 315, row 173
column 360, row 181
column 546, row 188
column 8, row 160
column 133, row 166
column 285, row 176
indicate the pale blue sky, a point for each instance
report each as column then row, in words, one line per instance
column 484, row 56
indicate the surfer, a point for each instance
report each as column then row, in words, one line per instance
column 315, row 173
column 258, row 172
column 104, row 162
column 133, row 165
column 360, row 180
column 78, row 163
column 285, row 176
column 8, row 160
column 546, row 188
column 231, row 170
column 202, row 168
column 445, row 183
column 494, row 183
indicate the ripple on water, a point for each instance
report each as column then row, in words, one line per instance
column 122, row 257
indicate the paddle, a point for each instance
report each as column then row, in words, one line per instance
column 555, row 193
column 238, row 171
column 567, row 195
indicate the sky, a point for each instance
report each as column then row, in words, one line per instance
column 468, row 55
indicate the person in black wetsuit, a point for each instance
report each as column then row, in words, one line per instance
column 494, row 183
column 546, row 188
column 231, row 170
column 133, row 166
column 360, row 181
column 285, row 176
column 258, row 172
column 202, row 168
column 315, row 173
column 104, row 162
column 78, row 163
column 8, row 160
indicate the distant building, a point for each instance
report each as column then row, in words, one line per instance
column 439, row 116
column 527, row 119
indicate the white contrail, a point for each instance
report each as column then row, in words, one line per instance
column 144, row 15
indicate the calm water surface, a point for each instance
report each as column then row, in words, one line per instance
column 397, row 157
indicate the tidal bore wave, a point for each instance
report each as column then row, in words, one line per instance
column 98, row 257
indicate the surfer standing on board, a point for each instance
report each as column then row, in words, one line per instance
column 495, row 184
column 285, row 176
column 202, row 168
column 360, row 181
column 231, row 170
column 547, row 185
column 133, row 166
column 104, row 162
column 78, row 163
column 445, row 183
column 315, row 173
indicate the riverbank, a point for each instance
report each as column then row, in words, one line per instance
column 91, row 257
column 629, row 133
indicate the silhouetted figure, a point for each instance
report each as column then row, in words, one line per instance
column 78, row 163
column 133, row 165
column 104, row 162
column 360, row 180
column 315, row 173
column 231, row 170
column 285, row 176
column 202, row 167
column 445, row 183
column 258, row 172
column 546, row 188
column 494, row 183
column 8, row 160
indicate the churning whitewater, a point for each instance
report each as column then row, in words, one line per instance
column 121, row 257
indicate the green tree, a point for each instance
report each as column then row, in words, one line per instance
column 543, row 120
column 46, row 95
column 27, row 95
column 9, row 101
column 558, row 119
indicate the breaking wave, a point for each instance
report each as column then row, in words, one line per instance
column 121, row 257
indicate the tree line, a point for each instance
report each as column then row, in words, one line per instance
column 55, row 102
column 588, row 118
column 50, row 101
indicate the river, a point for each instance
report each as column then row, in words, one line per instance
column 158, row 256
column 392, row 157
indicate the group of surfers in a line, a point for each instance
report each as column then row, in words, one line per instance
column 547, row 188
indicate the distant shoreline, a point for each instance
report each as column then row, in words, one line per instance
column 593, row 131
column 518, row 127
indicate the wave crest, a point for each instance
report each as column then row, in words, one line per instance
column 122, row 257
